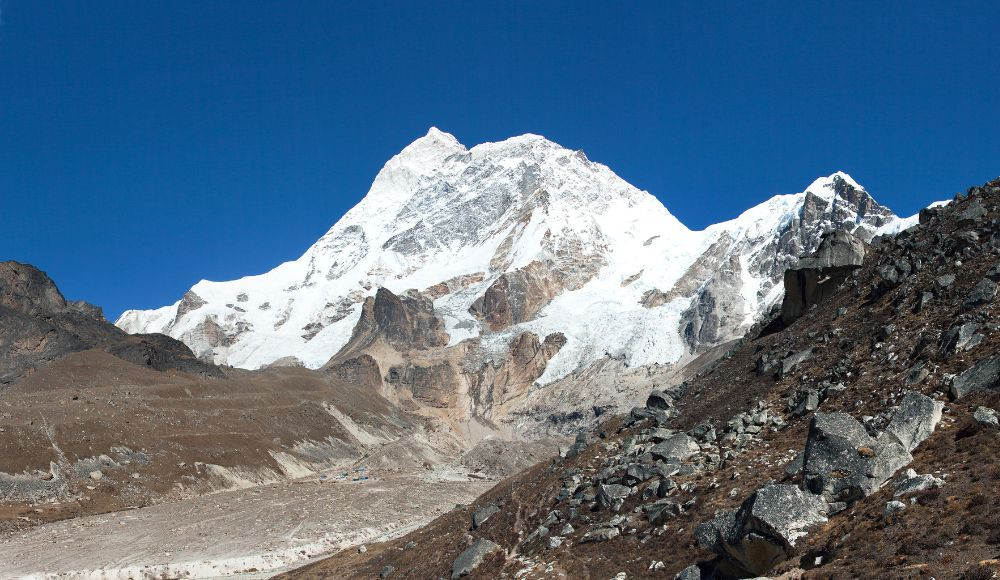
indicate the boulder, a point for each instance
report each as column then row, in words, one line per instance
column 472, row 557
column 659, row 400
column 690, row 573
column 814, row 279
column 983, row 292
column 612, row 496
column 602, row 534
column 675, row 448
column 986, row 417
column 983, row 375
column 763, row 531
column 911, row 482
column 914, row 420
column 960, row 337
column 482, row 514
column 846, row 463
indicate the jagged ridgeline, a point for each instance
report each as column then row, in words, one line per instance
column 523, row 256
column 855, row 437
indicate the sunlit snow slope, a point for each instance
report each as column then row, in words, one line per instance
column 621, row 276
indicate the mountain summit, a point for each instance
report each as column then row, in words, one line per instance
column 519, row 236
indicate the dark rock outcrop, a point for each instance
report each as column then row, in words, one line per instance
column 38, row 325
column 816, row 278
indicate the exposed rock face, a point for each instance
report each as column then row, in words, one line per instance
column 403, row 322
column 816, row 278
column 38, row 325
column 518, row 296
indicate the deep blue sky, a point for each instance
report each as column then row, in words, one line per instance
column 147, row 145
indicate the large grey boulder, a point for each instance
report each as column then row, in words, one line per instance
column 844, row 462
column 676, row 448
column 482, row 514
column 763, row 531
column 815, row 278
column 915, row 419
column 983, row 292
column 983, row 375
column 986, row 417
column 472, row 557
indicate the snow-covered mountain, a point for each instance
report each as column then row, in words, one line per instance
column 520, row 235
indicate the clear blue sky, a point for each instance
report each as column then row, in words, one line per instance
column 147, row 145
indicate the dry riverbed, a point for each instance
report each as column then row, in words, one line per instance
column 240, row 533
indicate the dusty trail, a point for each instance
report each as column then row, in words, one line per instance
column 237, row 533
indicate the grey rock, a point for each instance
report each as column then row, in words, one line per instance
column 482, row 514
column 764, row 530
column 986, row 417
column 690, row 573
column 960, row 337
column 915, row 419
column 386, row 572
column 676, row 448
column 846, row 463
column 984, row 375
column 555, row 542
column 790, row 362
column 611, row 496
column 816, row 278
column 894, row 507
column 983, row 292
column 659, row 400
column 472, row 557
column 602, row 534
column 945, row 281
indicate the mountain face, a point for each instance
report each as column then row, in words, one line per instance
column 513, row 236
column 489, row 245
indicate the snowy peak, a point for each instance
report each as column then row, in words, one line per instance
column 520, row 235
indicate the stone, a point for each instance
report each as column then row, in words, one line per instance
column 386, row 572
column 915, row 419
column 983, row 292
column 763, row 531
column 676, row 448
column 986, row 417
column 984, row 375
column 944, row 281
column 659, row 400
column 482, row 514
column 602, row 534
column 844, row 462
column 612, row 496
column 790, row 362
column 690, row 573
column 555, row 542
column 910, row 482
column 472, row 557
column 566, row 530
column 96, row 475
column 794, row 467
column 661, row 510
column 960, row 337
column 894, row 507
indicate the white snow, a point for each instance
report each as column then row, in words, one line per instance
column 438, row 210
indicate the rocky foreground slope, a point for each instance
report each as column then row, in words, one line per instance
column 516, row 250
column 856, row 436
